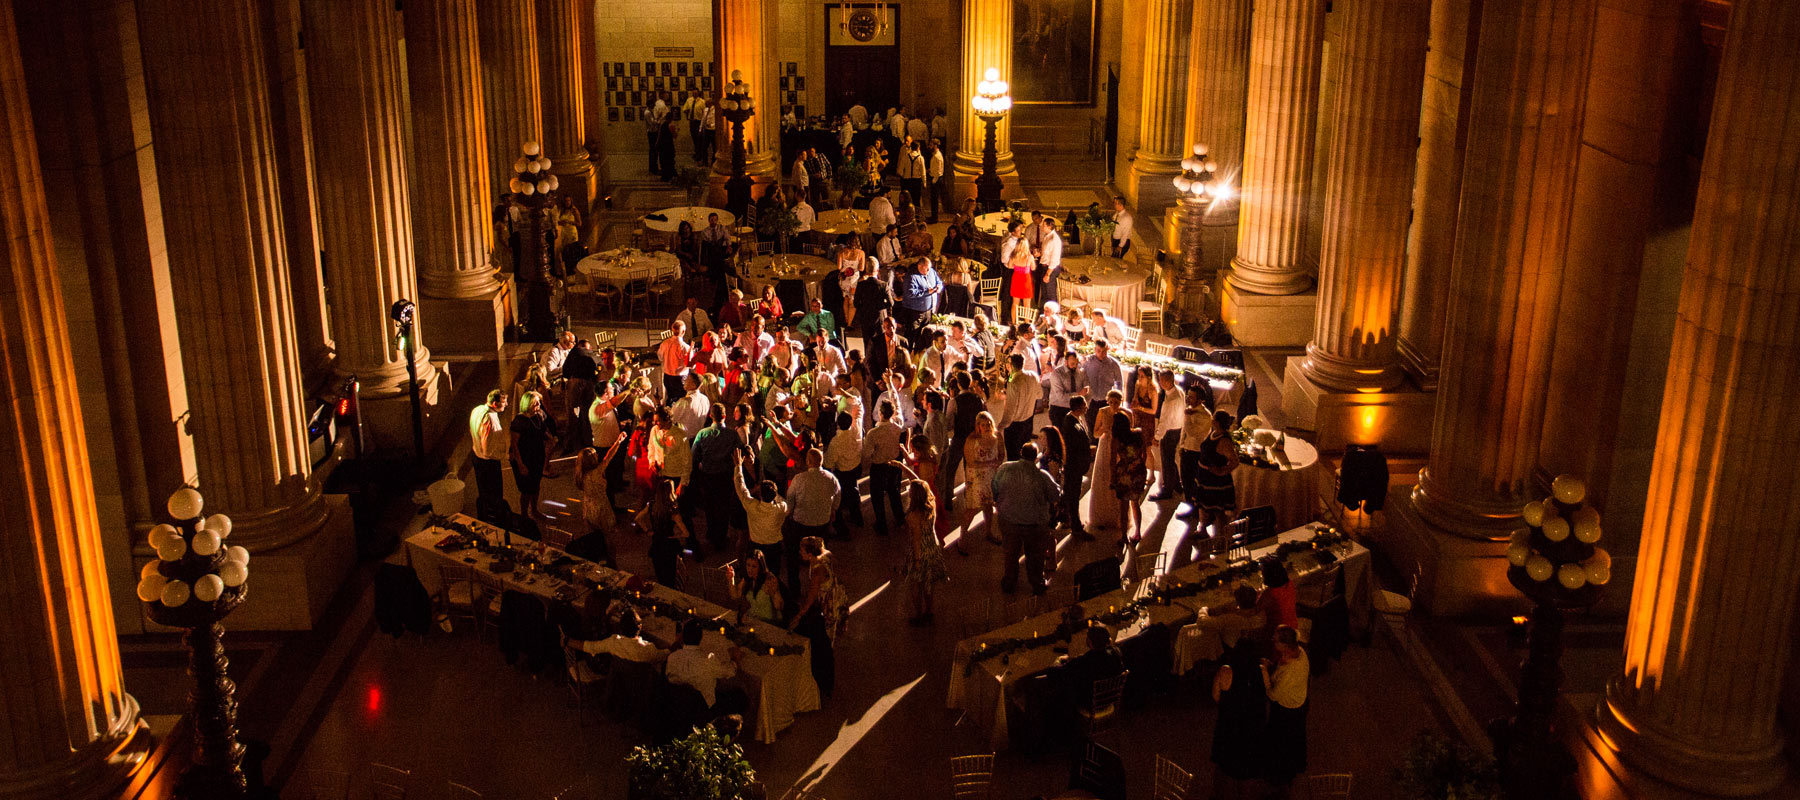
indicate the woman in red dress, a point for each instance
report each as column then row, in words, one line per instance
column 1021, row 265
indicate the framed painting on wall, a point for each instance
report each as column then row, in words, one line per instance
column 1055, row 43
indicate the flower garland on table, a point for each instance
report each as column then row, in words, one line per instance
column 1136, row 358
column 1164, row 593
column 565, row 567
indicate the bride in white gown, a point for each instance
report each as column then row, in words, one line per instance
column 1102, row 503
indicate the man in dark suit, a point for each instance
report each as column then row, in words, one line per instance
column 1101, row 661
column 873, row 301
column 1078, row 457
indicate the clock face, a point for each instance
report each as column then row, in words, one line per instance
column 863, row 25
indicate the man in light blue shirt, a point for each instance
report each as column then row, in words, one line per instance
column 1025, row 503
column 1101, row 373
column 919, row 291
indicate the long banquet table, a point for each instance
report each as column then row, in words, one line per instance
column 779, row 686
column 981, row 690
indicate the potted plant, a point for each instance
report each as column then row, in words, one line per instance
column 1096, row 229
column 778, row 225
column 693, row 178
column 704, row 765
column 1435, row 768
column 848, row 179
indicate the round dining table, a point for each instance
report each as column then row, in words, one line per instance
column 841, row 221
column 993, row 223
column 1110, row 285
column 1291, row 488
column 615, row 266
column 783, row 268
column 693, row 215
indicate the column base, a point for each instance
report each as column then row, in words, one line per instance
column 98, row 770
column 1150, row 191
column 1659, row 762
column 1399, row 419
column 1458, row 575
column 1268, row 320
column 1218, row 238
column 466, row 326
column 290, row 586
column 387, row 420
column 1600, row 772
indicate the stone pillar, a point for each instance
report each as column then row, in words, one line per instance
column 1266, row 300
column 451, row 197
column 1517, row 192
column 1711, row 622
column 744, row 41
column 1162, row 107
column 509, row 81
column 364, row 212
column 986, row 43
column 1217, row 86
column 221, row 210
column 1368, row 188
column 1443, row 130
column 67, row 727
column 560, row 66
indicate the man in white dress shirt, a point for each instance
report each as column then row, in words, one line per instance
column 881, row 214
column 887, row 250
column 696, row 320
column 1049, row 268
column 935, row 188
column 803, row 211
column 689, row 412
column 1022, row 392
column 675, row 352
column 1169, row 420
column 1122, row 225
column 911, row 171
column 701, row 669
column 897, row 124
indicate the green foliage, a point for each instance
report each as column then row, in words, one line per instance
column 778, row 224
column 1435, row 768
column 849, row 176
column 692, row 177
column 704, row 765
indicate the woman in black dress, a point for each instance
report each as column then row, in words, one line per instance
column 667, row 533
column 1238, row 689
column 1216, row 493
column 533, row 435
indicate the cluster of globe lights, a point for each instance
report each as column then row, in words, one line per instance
column 1560, row 542
column 1197, row 174
column 531, row 173
column 992, row 97
column 737, row 94
column 204, row 538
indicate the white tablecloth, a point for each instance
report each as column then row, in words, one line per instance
column 609, row 266
column 1118, row 290
column 994, row 223
column 760, row 272
column 981, row 692
column 693, row 215
column 779, row 686
column 842, row 221
column 1292, row 490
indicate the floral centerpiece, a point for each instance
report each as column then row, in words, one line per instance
column 1096, row 229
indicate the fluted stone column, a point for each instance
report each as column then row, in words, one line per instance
column 68, row 730
column 1285, row 41
column 1162, row 106
column 1217, row 92
column 364, row 211
column 559, row 71
column 222, row 219
column 509, row 82
column 986, row 44
column 1431, row 245
column 1368, row 189
column 1711, row 624
column 744, row 41
column 451, row 231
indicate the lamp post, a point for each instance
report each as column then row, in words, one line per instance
column 738, row 107
column 991, row 102
column 404, row 314
column 1196, row 193
column 531, row 186
column 195, row 581
column 1557, row 564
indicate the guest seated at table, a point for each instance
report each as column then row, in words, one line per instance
column 687, row 248
column 1101, row 661
column 769, row 306
column 817, row 320
column 758, row 591
column 692, row 666
column 1230, row 621
column 1074, row 325
column 956, row 243
column 626, row 643
column 716, row 233
column 1049, row 319
column 1101, row 326
column 917, row 243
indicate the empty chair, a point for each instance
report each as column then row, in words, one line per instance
column 988, row 292
column 1099, row 771
column 1171, row 780
column 1334, row 786
column 1150, row 308
column 459, row 597
column 972, row 776
column 581, row 677
column 492, row 586
column 1160, row 348
column 1102, row 708
column 1023, row 313
column 1133, row 336
column 605, row 339
column 557, row 537
column 637, row 289
column 1148, row 565
column 1097, row 578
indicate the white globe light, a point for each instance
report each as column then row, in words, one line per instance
column 208, row 588
column 992, row 74
column 150, row 588
column 737, row 76
column 1517, row 554
column 150, row 568
column 533, row 167
column 233, row 573
column 1568, row 489
column 1211, row 167
column 1600, row 557
column 219, row 524
column 519, row 166
column 749, row 103
column 172, row 550
column 1598, row 575
column 1586, row 525
column 1556, row 529
column 206, row 543
column 1182, row 184
column 175, row 594
column 1533, row 513
column 1571, row 576
column 554, row 183
column 531, row 148
column 543, row 163
column 238, row 554
column 185, row 503
column 543, row 187
column 162, row 534
column 1199, row 149
column 1539, row 568
column 527, row 189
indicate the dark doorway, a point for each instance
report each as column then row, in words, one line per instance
column 861, row 73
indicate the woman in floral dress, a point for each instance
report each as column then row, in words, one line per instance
column 925, row 561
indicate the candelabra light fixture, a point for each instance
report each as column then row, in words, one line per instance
column 993, row 98
column 738, row 107
column 1197, row 192
column 531, row 186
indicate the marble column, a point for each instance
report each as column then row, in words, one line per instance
column 559, row 71
column 1217, row 92
column 1286, row 37
column 365, row 218
column 1711, row 624
column 1368, row 191
column 67, row 727
column 234, row 309
column 744, row 41
column 1443, row 131
column 451, row 231
column 986, row 43
column 1162, row 107
column 508, row 30
column 1518, row 187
